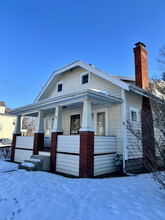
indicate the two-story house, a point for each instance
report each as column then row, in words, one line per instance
column 82, row 115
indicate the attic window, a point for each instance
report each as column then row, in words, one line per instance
column 59, row 87
column 85, row 78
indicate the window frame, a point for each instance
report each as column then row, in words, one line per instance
column 100, row 110
column 61, row 82
column 81, row 76
column 132, row 109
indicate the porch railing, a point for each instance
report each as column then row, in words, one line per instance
column 23, row 148
column 68, row 148
column 104, row 155
column 103, row 145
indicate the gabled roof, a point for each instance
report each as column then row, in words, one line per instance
column 106, row 76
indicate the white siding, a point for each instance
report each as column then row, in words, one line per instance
column 115, row 125
column 134, row 146
column 21, row 155
column 25, row 142
column 104, row 164
column 68, row 164
column 70, row 144
column 104, row 145
column 71, row 83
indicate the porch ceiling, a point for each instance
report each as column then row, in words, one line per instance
column 73, row 100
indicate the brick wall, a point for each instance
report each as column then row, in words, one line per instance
column 53, row 150
column 147, row 134
column 141, row 67
column 38, row 143
column 13, row 146
column 86, row 166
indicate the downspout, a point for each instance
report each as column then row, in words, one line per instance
column 124, row 130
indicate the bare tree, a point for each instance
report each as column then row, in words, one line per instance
column 29, row 124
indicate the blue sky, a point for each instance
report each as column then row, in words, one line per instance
column 39, row 36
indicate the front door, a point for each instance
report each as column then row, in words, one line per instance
column 74, row 124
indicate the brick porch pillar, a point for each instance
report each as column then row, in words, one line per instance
column 86, row 166
column 13, row 146
column 17, row 132
column 149, row 160
column 38, row 144
column 53, row 150
column 86, row 162
column 57, row 130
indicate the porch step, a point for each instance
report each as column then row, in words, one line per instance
column 45, row 160
column 27, row 166
column 38, row 163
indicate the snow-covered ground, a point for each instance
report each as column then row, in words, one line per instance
column 40, row 195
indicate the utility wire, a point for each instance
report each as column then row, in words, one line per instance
column 17, row 85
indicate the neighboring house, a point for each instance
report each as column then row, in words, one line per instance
column 7, row 122
column 82, row 114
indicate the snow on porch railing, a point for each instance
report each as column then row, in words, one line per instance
column 104, row 144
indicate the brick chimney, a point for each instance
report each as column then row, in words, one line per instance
column 141, row 66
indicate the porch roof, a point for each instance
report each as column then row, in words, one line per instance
column 95, row 96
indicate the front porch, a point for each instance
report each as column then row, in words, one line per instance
column 68, row 153
column 74, row 134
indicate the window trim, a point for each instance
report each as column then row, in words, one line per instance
column 61, row 82
column 83, row 74
column 132, row 109
column 99, row 110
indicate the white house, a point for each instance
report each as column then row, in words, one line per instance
column 82, row 115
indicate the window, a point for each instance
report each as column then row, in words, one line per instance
column 101, row 123
column 133, row 114
column 75, row 124
column 59, row 87
column 84, row 78
column 14, row 121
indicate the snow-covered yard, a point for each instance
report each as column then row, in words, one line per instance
column 40, row 195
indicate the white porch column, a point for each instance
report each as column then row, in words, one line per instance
column 57, row 126
column 87, row 116
column 17, row 129
column 40, row 122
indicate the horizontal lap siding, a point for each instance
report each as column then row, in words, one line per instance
column 25, row 142
column 68, row 164
column 21, row 155
column 104, row 164
column 104, row 145
column 133, row 144
column 69, row 144
column 115, row 126
column 71, row 83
